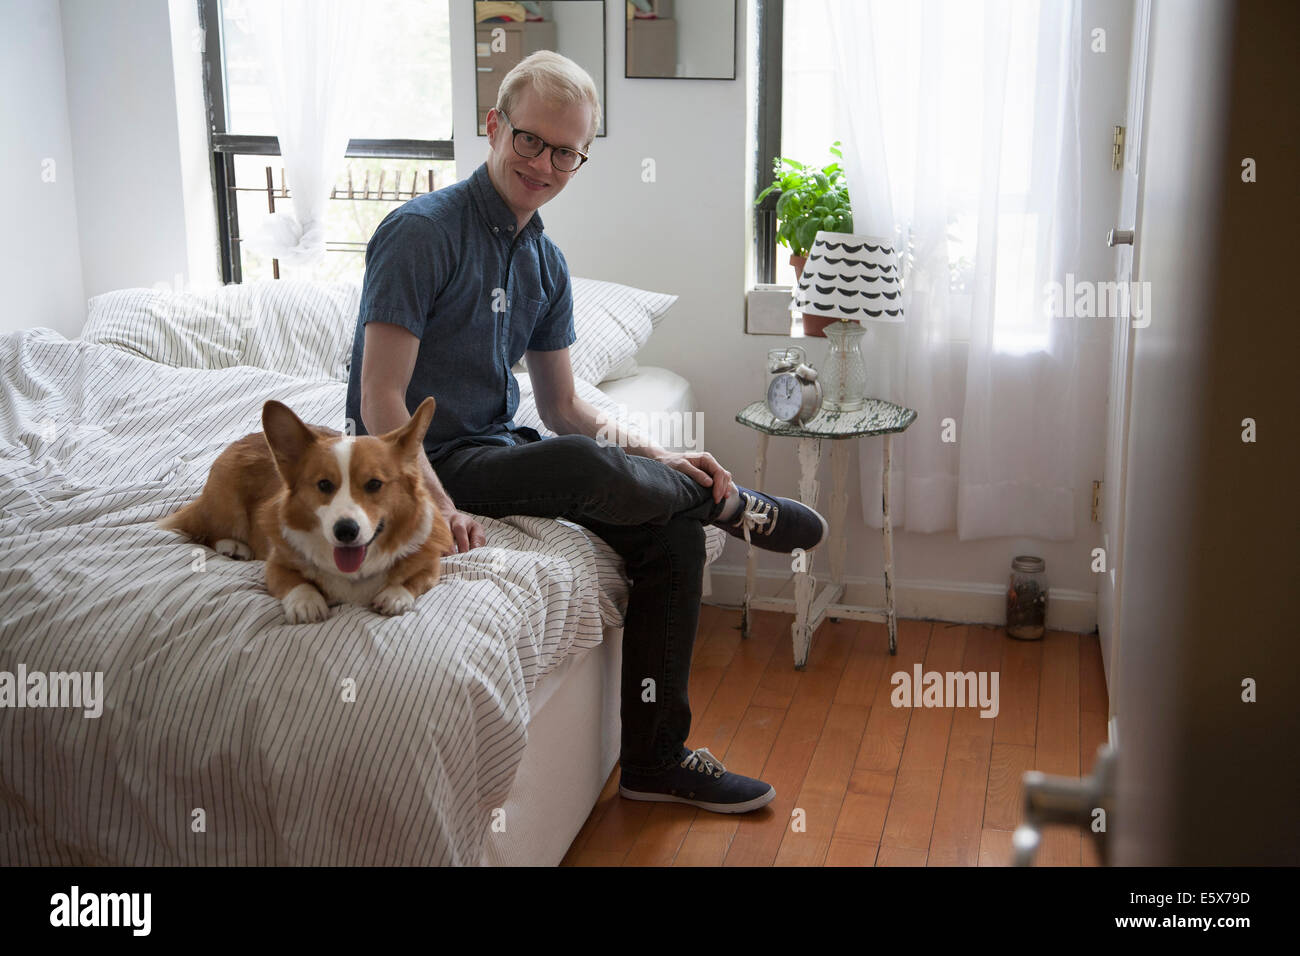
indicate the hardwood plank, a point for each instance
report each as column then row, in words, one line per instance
column 1060, row 847
column 845, row 852
column 1092, row 737
column 1088, row 852
column 716, row 644
column 861, row 822
column 984, row 654
column 995, row 847
column 899, row 856
column 867, row 661
column 757, row 842
column 1056, row 747
column 911, row 810
column 959, row 816
column 1022, row 664
column 778, row 684
column 1004, row 806
column 882, row 744
column 824, row 787
column 927, row 731
column 1092, row 676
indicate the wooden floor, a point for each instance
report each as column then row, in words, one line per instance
column 878, row 785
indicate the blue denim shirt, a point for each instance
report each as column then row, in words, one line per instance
column 448, row 267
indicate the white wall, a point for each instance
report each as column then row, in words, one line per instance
column 40, row 260
column 122, row 107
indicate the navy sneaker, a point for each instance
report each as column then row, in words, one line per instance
column 699, row 780
column 777, row 524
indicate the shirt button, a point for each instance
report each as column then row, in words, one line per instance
column 510, row 228
column 494, row 229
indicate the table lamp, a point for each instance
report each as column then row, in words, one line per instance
column 852, row 279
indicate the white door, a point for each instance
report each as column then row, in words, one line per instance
column 1125, row 327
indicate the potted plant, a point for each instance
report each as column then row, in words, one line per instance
column 810, row 200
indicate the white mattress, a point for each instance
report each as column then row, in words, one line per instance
column 652, row 389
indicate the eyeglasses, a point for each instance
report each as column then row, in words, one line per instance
column 530, row 146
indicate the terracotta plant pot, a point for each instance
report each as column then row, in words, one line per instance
column 812, row 324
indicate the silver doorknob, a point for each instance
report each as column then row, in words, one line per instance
column 1065, row 800
column 1119, row 237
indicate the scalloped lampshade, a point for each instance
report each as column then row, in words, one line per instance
column 851, row 277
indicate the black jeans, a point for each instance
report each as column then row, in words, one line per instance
column 653, row 516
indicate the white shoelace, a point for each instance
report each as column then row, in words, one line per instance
column 704, row 762
column 756, row 514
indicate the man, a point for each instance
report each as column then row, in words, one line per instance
column 460, row 283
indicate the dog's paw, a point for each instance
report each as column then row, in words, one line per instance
column 393, row 599
column 233, row 549
column 305, row 605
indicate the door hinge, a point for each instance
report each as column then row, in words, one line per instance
column 1117, row 149
column 1096, row 502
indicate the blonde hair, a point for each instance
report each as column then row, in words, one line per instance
column 557, row 79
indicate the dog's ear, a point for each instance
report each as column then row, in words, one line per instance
column 287, row 437
column 410, row 437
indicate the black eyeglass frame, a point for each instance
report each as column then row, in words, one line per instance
column 514, row 141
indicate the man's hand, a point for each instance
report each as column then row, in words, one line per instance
column 465, row 531
column 704, row 468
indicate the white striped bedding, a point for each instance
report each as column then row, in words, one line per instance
column 213, row 703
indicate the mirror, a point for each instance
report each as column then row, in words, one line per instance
column 505, row 33
column 681, row 39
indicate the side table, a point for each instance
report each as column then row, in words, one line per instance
column 877, row 418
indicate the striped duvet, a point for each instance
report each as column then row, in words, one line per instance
column 227, row 737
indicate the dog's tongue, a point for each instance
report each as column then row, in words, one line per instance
column 348, row 560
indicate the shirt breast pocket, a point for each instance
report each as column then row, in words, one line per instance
column 526, row 314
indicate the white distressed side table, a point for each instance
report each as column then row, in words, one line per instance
column 877, row 418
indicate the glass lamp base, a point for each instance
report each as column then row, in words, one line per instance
column 844, row 385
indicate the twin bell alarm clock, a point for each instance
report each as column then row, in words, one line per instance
column 794, row 395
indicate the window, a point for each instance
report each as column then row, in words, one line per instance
column 403, row 149
column 801, row 121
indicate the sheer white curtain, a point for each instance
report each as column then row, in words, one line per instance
column 310, row 50
column 960, row 129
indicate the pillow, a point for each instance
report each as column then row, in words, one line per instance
column 612, row 322
column 297, row 327
column 624, row 369
column 182, row 329
column 303, row 328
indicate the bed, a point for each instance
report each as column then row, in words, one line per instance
column 476, row 730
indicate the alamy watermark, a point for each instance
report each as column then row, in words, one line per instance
column 676, row 430
column 1099, row 300
column 950, row 689
column 26, row 688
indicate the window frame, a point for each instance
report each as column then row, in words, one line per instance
column 224, row 146
column 770, row 21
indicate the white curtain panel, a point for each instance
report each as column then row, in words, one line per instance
column 960, row 129
column 311, row 50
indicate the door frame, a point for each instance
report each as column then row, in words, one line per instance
column 1110, row 589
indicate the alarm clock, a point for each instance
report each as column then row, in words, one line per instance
column 794, row 395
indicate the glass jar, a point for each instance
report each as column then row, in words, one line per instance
column 1027, row 599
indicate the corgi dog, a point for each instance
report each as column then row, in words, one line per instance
column 336, row 518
